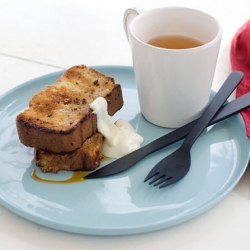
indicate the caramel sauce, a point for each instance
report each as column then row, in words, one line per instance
column 105, row 158
column 76, row 177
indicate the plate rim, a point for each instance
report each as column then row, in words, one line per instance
column 111, row 232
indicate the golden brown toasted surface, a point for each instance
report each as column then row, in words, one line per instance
column 59, row 118
column 86, row 158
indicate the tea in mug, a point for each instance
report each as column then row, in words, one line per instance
column 174, row 42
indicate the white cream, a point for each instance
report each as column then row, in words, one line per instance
column 120, row 137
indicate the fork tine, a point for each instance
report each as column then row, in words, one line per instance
column 158, row 178
column 163, row 179
column 167, row 182
column 151, row 174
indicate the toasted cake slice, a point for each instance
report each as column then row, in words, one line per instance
column 59, row 118
column 88, row 157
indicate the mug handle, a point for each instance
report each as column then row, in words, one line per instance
column 129, row 15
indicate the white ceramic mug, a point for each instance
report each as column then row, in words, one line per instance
column 174, row 85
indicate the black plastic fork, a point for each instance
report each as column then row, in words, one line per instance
column 176, row 165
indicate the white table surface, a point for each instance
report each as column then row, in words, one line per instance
column 39, row 37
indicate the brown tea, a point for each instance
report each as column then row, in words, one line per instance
column 174, row 42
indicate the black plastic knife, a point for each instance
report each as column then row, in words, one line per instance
column 131, row 159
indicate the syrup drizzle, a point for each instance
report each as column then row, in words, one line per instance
column 76, row 177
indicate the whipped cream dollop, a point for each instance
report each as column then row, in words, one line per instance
column 120, row 137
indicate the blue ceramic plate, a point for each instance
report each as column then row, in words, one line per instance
column 121, row 204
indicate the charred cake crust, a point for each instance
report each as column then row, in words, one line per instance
column 59, row 118
column 87, row 158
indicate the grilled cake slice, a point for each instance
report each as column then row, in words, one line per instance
column 59, row 119
column 88, row 157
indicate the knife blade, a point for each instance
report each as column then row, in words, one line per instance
column 131, row 159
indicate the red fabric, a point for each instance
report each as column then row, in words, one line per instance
column 240, row 60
